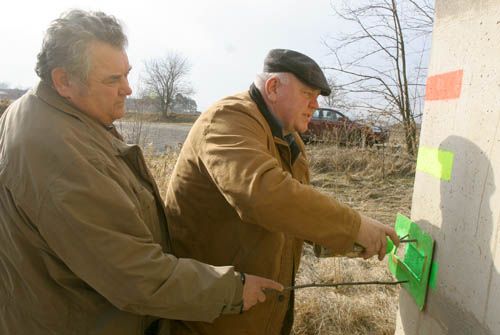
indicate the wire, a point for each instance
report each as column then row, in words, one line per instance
column 297, row 287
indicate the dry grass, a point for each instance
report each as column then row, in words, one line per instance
column 4, row 103
column 376, row 182
column 379, row 184
column 161, row 167
column 345, row 310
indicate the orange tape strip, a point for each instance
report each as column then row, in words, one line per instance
column 444, row 86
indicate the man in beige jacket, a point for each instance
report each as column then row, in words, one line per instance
column 84, row 244
column 239, row 193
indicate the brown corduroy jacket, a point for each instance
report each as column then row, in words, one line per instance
column 236, row 196
column 83, row 238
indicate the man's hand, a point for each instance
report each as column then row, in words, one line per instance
column 253, row 290
column 372, row 236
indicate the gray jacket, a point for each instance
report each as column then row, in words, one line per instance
column 84, row 243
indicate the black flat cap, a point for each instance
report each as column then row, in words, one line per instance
column 302, row 66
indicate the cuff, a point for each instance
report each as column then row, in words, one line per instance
column 237, row 303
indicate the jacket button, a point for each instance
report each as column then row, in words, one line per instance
column 281, row 297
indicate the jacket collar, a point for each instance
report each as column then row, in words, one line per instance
column 49, row 95
column 274, row 124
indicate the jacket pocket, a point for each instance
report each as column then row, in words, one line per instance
column 148, row 211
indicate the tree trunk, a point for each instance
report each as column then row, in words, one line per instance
column 410, row 137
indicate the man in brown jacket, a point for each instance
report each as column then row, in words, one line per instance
column 84, row 244
column 239, row 193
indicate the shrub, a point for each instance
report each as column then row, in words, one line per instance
column 4, row 103
column 367, row 162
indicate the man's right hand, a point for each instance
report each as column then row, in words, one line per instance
column 253, row 290
column 372, row 236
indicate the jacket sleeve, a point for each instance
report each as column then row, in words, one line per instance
column 236, row 155
column 95, row 230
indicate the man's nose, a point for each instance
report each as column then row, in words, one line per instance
column 125, row 89
column 314, row 103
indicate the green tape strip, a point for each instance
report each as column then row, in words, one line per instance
column 415, row 265
column 437, row 163
column 433, row 275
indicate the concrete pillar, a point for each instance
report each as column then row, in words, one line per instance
column 462, row 116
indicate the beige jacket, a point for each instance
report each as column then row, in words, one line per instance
column 237, row 197
column 84, row 244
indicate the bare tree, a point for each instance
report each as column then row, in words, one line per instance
column 380, row 62
column 336, row 99
column 134, row 128
column 166, row 77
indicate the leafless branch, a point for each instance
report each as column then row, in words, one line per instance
column 166, row 77
column 380, row 60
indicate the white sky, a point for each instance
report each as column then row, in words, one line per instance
column 225, row 40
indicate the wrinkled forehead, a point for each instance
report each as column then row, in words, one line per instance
column 105, row 58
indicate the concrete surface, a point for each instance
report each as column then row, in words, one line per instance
column 462, row 214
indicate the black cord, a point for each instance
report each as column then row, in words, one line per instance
column 296, row 287
column 243, row 279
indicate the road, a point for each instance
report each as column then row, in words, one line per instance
column 158, row 137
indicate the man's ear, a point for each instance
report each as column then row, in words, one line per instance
column 61, row 82
column 271, row 88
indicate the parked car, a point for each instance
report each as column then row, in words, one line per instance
column 330, row 125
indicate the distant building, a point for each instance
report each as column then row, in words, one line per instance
column 143, row 105
column 183, row 104
column 180, row 105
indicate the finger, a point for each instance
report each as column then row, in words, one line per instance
column 252, row 302
column 271, row 284
column 383, row 247
column 367, row 253
column 261, row 296
column 247, row 305
column 394, row 236
column 381, row 254
column 377, row 248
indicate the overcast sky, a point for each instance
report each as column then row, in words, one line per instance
column 225, row 40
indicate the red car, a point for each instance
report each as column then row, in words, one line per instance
column 330, row 125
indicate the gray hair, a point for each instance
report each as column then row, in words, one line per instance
column 67, row 40
column 261, row 78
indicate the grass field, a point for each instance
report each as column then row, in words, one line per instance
column 377, row 182
column 157, row 117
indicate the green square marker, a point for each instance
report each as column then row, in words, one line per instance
column 415, row 265
column 435, row 162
